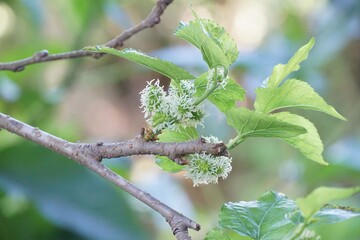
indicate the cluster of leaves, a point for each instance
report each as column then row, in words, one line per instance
column 273, row 216
column 219, row 51
column 176, row 114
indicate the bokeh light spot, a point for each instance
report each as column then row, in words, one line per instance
column 6, row 19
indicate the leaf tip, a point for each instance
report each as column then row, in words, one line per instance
column 318, row 159
column 341, row 117
column 324, row 163
column 337, row 115
column 312, row 41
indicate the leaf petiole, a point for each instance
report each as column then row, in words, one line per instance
column 235, row 141
column 210, row 90
column 298, row 231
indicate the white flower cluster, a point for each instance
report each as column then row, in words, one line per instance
column 203, row 168
column 168, row 110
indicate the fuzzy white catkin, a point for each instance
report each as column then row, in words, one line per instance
column 205, row 169
column 176, row 107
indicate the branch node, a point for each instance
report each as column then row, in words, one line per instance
column 181, row 160
column 177, row 226
column 149, row 135
column 142, row 133
column 180, row 225
column 19, row 68
column 156, row 20
column 41, row 54
column 220, row 149
column 97, row 55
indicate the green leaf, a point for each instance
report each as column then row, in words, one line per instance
column 250, row 123
column 273, row 216
column 180, row 135
column 309, row 144
column 166, row 68
column 263, row 219
column 197, row 35
column 293, row 93
column 322, row 195
column 168, row 165
column 224, row 234
column 281, row 71
column 333, row 214
column 219, row 35
column 223, row 98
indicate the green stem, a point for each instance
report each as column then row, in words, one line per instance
column 208, row 91
column 235, row 141
column 298, row 231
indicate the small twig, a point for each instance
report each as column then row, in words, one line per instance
column 152, row 19
column 90, row 156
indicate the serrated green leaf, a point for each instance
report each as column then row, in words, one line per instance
column 180, row 135
column 333, row 214
column 219, row 35
column 293, row 93
column 197, row 35
column 224, row 98
column 281, row 71
column 163, row 67
column 250, row 123
column 263, row 219
column 321, row 196
column 309, row 144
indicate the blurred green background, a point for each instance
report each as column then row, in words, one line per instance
column 46, row 196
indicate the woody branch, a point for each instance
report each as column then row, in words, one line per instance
column 90, row 155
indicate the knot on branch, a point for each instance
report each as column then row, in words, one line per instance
column 180, row 224
column 221, row 149
column 18, row 68
column 179, row 159
column 41, row 54
column 218, row 149
column 99, row 55
column 155, row 21
column 89, row 151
